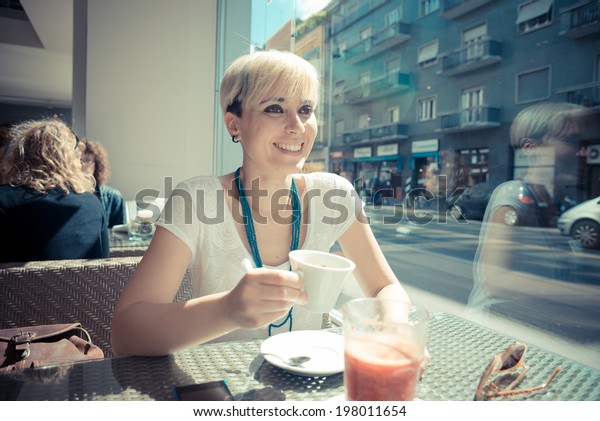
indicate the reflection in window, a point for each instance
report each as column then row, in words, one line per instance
column 533, row 85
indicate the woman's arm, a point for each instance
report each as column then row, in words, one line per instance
column 373, row 273
column 147, row 322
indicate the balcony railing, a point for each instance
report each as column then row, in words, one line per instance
column 452, row 9
column 472, row 57
column 587, row 94
column 475, row 118
column 580, row 20
column 391, row 35
column 375, row 133
column 389, row 84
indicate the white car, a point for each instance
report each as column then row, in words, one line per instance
column 582, row 222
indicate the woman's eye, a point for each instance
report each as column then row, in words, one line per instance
column 307, row 109
column 274, row 109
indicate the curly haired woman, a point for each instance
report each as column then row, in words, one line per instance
column 48, row 209
column 94, row 161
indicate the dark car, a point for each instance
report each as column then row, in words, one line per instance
column 472, row 202
column 519, row 204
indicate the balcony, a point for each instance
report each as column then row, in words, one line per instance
column 587, row 94
column 390, row 84
column 468, row 119
column 452, row 9
column 472, row 57
column 580, row 20
column 377, row 133
column 385, row 39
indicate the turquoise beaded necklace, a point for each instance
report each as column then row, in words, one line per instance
column 251, row 234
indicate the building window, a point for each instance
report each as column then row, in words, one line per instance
column 339, row 128
column 364, row 121
column 427, row 108
column 365, row 33
column 429, row 6
column 392, row 66
column 338, row 92
column 393, row 16
column 473, row 40
column 534, row 15
column 533, row 85
column 428, row 54
column 392, row 115
column 471, row 103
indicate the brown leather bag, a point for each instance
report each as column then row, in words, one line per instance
column 36, row 346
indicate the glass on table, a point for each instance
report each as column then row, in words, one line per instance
column 384, row 347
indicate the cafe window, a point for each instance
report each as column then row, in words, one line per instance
column 534, row 15
column 428, row 54
column 427, row 108
column 533, row 85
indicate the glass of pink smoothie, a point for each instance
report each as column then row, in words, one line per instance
column 384, row 346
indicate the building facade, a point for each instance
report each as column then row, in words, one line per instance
column 415, row 89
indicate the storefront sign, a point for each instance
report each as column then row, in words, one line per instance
column 384, row 150
column 362, row 152
column 429, row 145
column 535, row 157
column 336, row 154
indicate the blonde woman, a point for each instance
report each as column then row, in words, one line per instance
column 48, row 209
column 268, row 100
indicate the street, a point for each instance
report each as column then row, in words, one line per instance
column 434, row 262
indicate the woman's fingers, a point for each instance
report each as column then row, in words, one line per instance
column 264, row 295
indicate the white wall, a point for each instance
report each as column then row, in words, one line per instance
column 150, row 89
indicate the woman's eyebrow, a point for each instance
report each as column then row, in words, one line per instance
column 281, row 99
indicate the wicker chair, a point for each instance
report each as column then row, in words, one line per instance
column 64, row 291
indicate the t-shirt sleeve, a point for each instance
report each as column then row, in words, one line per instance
column 179, row 216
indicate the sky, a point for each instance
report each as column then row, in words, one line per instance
column 270, row 15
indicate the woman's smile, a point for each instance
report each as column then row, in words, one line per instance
column 289, row 147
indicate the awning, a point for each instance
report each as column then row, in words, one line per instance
column 381, row 159
column 533, row 10
column 435, row 154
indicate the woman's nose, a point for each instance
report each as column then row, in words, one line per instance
column 295, row 124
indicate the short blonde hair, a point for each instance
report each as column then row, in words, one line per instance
column 251, row 78
column 43, row 157
column 549, row 119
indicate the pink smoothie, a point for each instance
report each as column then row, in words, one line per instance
column 378, row 372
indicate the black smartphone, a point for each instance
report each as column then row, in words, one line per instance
column 210, row 391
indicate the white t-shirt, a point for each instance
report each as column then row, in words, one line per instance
column 197, row 213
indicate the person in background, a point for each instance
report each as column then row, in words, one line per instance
column 48, row 209
column 268, row 100
column 4, row 141
column 94, row 161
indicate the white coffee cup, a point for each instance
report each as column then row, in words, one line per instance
column 324, row 276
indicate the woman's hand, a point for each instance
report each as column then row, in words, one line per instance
column 264, row 295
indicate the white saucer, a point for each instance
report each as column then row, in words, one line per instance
column 325, row 349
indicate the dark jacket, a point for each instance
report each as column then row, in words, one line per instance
column 51, row 226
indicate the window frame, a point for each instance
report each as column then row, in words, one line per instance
column 531, row 71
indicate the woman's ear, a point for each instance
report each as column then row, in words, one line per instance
column 528, row 143
column 231, row 123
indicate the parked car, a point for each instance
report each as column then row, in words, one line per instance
column 520, row 205
column 582, row 223
column 472, row 202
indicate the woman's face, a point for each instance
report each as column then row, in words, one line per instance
column 278, row 133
